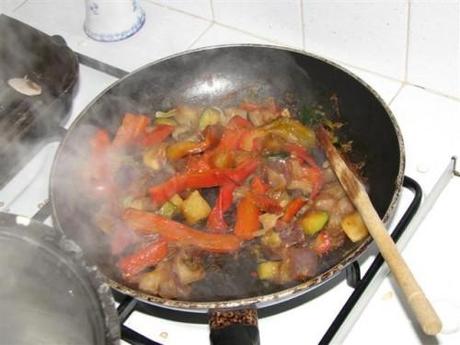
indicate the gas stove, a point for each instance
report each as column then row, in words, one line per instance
column 336, row 312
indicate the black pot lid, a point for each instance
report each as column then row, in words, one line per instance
column 48, row 294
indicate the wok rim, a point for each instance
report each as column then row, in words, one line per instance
column 259, row 301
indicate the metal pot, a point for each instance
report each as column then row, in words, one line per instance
column 48, row 293
column 224, row 75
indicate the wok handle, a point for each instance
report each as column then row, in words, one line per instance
column 229, row 327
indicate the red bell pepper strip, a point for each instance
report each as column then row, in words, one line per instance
column 197, row 163
column 301, row 153
column 258, row 195
column 313, row 172
column 100, row 179
column 148, row 223
column 205, row 179
column 222, row 159
column 157, row 135
column 292, row 208
column 265, row 203
column 176, row 184
column 247, row 219
column 322, row 243
column 131, row 130
column 224, row 202
column 237, row 122
column 242, row 171
column 315, row 175
column 258, row 185
column 236, row 128
column 143, row 258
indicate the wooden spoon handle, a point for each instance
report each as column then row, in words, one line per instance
column 422, row 308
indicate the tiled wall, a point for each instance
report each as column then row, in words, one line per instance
column 413, row 41
column 416, row 42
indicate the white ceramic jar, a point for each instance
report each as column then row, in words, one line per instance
column 113, row 20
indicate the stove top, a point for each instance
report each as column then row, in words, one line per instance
column 310, row 319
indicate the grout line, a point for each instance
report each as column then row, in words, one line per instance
column 406, row 57
column 254, row 35
column 213, row 15
column 224, row 25
column 404, row 83
column 19, row 6
column 396, row 94
column 435, row 92
column 178, row 10
column 200, row 35
column 302, row 25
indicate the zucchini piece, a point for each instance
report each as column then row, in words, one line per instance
column 210, row 116
column 168, row 209
column 176, row 200
column 314, row 221
column 166, row 121
column 268, row 270
column 271, row 239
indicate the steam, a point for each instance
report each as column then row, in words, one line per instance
column 220, row 78
column 29, row 112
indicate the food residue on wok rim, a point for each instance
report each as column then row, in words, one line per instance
column 203, row 203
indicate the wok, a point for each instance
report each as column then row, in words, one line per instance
column 223, row 75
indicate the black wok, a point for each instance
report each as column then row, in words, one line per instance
column 224, row 75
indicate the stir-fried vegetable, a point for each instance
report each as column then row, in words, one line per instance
column 147, row 256
column 148, row 223
column 131, row 130
column 185, row 190
column 268, row 270
column 292, row 208
column 354, row 227
column 314, row 221
column 247, row 219
column 195, row 208
column 224, row 202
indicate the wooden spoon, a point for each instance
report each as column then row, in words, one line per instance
column 422, row 308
